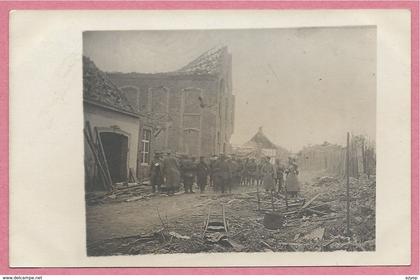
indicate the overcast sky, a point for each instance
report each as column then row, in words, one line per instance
column 304, row 86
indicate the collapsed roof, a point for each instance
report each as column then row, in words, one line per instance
column 98, row 88
column 207, row 63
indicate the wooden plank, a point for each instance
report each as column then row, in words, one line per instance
column 131, row 176
column 224, row 218
column 315, row 211
column 95, row 155
column 89, row 130
column 102, row 154
column 319, row 205
column 207, row 221
column 310, row 201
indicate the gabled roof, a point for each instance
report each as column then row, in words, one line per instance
column 259, row 140
column 208, row 63
column 98, row 88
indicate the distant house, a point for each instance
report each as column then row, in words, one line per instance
column 260, row 145
column 191, row 109
column 110, row 116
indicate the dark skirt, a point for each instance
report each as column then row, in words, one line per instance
column 292, row 183
column 268, row 182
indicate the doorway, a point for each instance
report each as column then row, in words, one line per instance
column 116, row 149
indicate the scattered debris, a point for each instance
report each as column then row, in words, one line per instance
column 310, row 201
column 135, row 198
column 177, row 235
column 120, row 193
column 267, row 247
column 215, row 236
column 317, row 224
column 327, row 180
column 316, row 234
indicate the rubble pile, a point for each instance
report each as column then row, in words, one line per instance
column 120, row 193
column 362, row 210
column 159, row 242
column 315, row 223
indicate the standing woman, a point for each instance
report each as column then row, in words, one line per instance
column 292, row 182
column 244, row 173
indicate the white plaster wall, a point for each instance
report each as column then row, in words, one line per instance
column 103, row 118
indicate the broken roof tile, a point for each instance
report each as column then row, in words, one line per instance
column 207, row 63
column 97, row 87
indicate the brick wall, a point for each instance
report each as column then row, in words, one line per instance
column 170, row 104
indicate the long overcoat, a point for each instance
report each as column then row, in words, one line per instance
column 171, row 172
column 268, row 173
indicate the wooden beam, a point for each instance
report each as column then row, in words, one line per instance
column 95, row 155
column 102, row 154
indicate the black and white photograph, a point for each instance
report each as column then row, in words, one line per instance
column 233, row 140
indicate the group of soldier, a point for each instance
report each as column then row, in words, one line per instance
column 221, row 173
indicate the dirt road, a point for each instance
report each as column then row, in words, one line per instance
column 119, row 228
column 110, row 220
column 106, row 221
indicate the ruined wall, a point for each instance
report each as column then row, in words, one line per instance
column 189, row 111
column 320, row 157
column 332, row 158
column 194, row 114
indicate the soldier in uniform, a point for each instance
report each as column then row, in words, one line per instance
column 280, row 175
column 188, row 169
column 156, row 173
column 213, row 161
column 231, row 164
column 252, row 171
column 171, row 173
column 245, row 174
column 268, row 173
column 222, row 173
column 239, row 171
column 202, row 173
column 259, row 173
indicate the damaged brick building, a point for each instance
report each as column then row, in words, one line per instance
column 188, row 111
column 113, row 119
